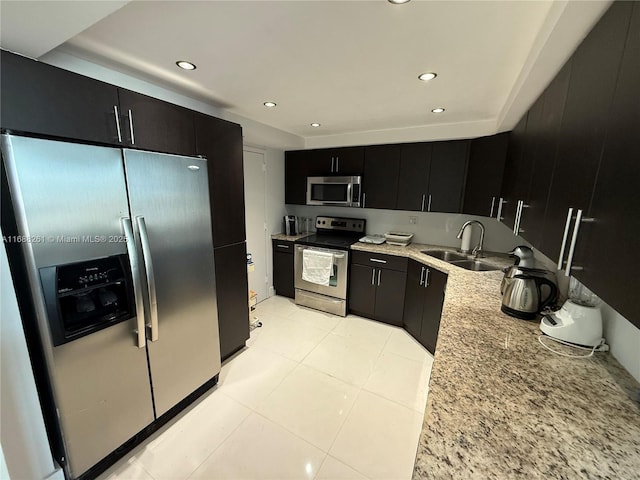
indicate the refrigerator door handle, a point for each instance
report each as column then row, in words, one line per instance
column 151, row 281
column 137, row 288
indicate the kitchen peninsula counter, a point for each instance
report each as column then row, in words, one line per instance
column 501, row 406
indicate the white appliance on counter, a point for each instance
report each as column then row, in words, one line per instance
column 579, row 321
column 574, row 323
column 121, row 277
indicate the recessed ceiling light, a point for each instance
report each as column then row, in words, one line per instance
column 270, row 104
column 399, row 2
column 185, row 65
column 315, row 124
column 438, row 110
column 425, row 77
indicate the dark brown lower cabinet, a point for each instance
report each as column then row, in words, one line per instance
column 375, row 291
column 423, row 303
column 233, row 297
column 283, row 268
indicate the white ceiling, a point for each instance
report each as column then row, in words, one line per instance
column 350, row 65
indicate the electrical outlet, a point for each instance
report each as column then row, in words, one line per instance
column 413, row 220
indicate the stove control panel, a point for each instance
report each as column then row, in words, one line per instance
column 339, row 224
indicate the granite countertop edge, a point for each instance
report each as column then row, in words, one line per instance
column 501, row 406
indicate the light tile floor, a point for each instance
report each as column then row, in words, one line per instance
column 313, row 396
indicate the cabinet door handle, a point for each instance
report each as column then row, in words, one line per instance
column 379, row 272
column 501, row 202
column 515, row 221
column 493, row 202
column 283, row 246
column 564, row 238
column 337, row 164
column 574, row 239
column 521, row 207
column 373, row 276
column 377, row 260
column 115, row 111
column 426, row 279
column 332, row 160
column 422, row 276
column 579, row 219
column 423, row 198
column 133, row 138
column 429, row 205
column 364, row 199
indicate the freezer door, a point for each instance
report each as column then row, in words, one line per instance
column 169, row 200
column 69, row 200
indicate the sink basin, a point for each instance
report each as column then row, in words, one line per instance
column 475, row 265
column 461, row 260
column 445, row 255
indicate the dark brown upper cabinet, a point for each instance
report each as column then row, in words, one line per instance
column 517, row 174
column 41, row 99
column 432, row 176
column 336, row 161
column 153, row 124
column 487, row 156
column 447, row 176
column 380, row 181
column 296, row 170
column 413, row 183
column 606, row 248
column 594, row 72
column 542, row 131
column 220, row 142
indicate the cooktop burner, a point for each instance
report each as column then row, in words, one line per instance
column 335, row 232
column 320, row 240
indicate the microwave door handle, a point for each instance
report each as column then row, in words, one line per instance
column 349, row 193
column 135, row 275
column 151, row 281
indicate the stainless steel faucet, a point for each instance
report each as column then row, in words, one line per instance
column 477, row 251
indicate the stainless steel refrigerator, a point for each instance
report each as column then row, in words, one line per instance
column 119, row 257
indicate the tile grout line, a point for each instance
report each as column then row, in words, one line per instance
column 221, row 443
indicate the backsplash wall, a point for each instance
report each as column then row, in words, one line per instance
column 432, row 228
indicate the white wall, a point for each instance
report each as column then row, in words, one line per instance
column 624, row 339
column 23, row 437
column 432, row 228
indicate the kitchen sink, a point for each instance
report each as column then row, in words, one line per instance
column 467, row 262
column 446, row 255
column 475, row 265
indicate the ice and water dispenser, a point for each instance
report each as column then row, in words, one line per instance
column 85, row 297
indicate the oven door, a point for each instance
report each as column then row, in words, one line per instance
column 340, row 191
column 337, row 287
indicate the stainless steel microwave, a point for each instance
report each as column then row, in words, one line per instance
column 339, row 191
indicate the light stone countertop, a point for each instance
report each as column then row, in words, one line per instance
column 500, row 406
column 289, row 238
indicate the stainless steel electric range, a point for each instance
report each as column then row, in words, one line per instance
column 334, row 235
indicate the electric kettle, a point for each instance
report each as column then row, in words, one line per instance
column 522, row 293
